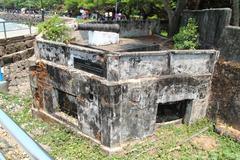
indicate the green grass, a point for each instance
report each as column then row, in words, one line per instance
column 63, row 144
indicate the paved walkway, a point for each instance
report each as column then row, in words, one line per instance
column 18, row 33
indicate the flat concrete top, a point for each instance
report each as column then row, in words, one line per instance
column 132, row 44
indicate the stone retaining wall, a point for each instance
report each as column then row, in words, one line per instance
column 14, row 53
column 225, row 98
column 16, row 49
column 138, row 28
column 21, row 18
column 229, row 44
column 17, row 75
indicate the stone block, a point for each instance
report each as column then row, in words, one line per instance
column 99, row 38
column 2, row 51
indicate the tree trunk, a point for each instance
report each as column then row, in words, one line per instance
column 173, row 26
column 174, row 16
column 236, row 14
column 197, row 4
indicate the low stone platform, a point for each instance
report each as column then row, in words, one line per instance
column 143, row 43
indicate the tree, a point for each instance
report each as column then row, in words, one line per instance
column 33, row 4
column 72, row 5
column 174, row 15
column 236, row 12
column 8, row 3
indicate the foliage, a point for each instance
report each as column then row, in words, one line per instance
column 54, row 29
column 187, row 38
column 74, row 5
column 164, row 33
column 145, row 8
column 33, row 4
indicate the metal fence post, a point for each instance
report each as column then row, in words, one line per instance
column 4, row 30
column 30, row 27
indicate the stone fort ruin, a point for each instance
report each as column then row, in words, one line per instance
column 122, row 91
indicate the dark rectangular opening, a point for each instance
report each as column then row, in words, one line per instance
column 67, row 104
column 89, row 66
column 171, row 111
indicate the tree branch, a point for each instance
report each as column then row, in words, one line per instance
column 181, row 4
column 167, row 8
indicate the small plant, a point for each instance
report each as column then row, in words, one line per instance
column 164, row 33
column 187, row 38
column 54, row 29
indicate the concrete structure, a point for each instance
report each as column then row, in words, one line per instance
column 114, row 97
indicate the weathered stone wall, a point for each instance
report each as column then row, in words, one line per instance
column 14, row 53
column 17, row 76
column 225, row 98
column 138, row 28
column 16, row 49
column 229, row 44
column 20, row 18
column 211, row 23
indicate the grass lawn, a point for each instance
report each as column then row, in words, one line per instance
column 63, row 144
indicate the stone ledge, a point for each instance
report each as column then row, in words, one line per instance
column 49, row 118
column 16, row 39
column 15, row 57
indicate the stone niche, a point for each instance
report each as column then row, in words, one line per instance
column 115, row 97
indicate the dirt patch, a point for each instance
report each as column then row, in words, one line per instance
column 229, row 131
column 205, row 143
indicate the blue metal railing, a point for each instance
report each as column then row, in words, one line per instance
column 1, row 156
column 1, row 74
column 33, row 149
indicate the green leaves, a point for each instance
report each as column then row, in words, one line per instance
column 187, row 38
column 34, row 4
column 54, row 29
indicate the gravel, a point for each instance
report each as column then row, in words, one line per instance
column 9, row 148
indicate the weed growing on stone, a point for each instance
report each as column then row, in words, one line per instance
column 187, row 38
column 54, row 29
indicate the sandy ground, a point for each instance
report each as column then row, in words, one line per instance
column 8, row 146
column 18, row 33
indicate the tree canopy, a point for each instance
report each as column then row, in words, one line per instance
column 33, row 4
